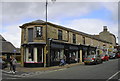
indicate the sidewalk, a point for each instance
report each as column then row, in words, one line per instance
column 26, row 69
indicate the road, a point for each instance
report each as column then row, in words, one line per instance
column 106, row 71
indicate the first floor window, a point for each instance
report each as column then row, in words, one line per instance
column 59, row 34
column 38, row 32
column 74, row 38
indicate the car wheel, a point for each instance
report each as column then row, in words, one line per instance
column 101, row 61
column 85, row 63
column 95, row 63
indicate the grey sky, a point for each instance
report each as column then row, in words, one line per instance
column 67, row 14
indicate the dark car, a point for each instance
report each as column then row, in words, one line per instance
column 104, row 57
column 3, row 64
column 92, row 59
column 112, row 55
column 118, row 55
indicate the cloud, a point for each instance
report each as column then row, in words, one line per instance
column 15, row 13
column 19, row 11
column 113, row 7
column 92, row 26
column 13, row 34
column 61, row 0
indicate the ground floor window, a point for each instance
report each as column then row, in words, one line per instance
column 56, row 55
column 33, row 54
column 73, row 55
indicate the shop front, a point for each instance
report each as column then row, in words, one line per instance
column 57, row 53
column 84, row 52
column 73, row 54
column 87, row 50
column 34, row 55
column 68, row 52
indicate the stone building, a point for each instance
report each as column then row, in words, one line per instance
column 44, row 44
column 8, row 49
column 107, row 36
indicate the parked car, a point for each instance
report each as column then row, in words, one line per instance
column 104, row 57
column 112, row 55
column 118, row 55
column 3, row 64
column 92, row 59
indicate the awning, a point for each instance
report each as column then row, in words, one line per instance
column 58, row 46
column 73, row 48
column 34, row 43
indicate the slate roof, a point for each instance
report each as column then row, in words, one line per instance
column 7, row 47
column 41, row 22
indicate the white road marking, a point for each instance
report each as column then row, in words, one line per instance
column 31, row 74
column 113, row 75
column 11, row 78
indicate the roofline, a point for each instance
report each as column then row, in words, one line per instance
column 62, row 27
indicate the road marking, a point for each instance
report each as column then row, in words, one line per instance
column 113, row 75
column 10, row 78
column 31, row 74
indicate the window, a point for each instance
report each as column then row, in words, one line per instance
column 38, row 31
column 74, row 38
column 68, row 35
column 83, row 40
column 59, row 34
column 24, row 34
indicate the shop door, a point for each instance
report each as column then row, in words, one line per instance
column 83, row 55
column 67, row 56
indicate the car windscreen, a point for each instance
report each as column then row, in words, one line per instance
column 102, row 55
column 90, row 56
column 112, row 54
column 0, row 60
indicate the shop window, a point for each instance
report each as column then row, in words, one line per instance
column 40, row 54
column 74, row 56
column 38, row 31
column 30, row 56
column 59, row 34
column 30, row 53
column 55, row 55
column 74, row 38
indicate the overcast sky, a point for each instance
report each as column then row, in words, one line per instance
column 88, row 17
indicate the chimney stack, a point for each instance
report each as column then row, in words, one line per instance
column 104, row 28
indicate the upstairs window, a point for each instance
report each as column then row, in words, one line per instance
column 38, row 31
column 24, row 34
column 83, row 40
column 59, row 34
column 74, row 38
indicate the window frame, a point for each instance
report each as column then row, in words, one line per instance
column 37, row 33
column 74, row 38
column 60, row 35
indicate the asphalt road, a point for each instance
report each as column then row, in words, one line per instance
column 107, row 71
column 100, row 71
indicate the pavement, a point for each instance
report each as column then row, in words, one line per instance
column 26, row 69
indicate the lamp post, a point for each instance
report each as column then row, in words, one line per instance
column 46, row 33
